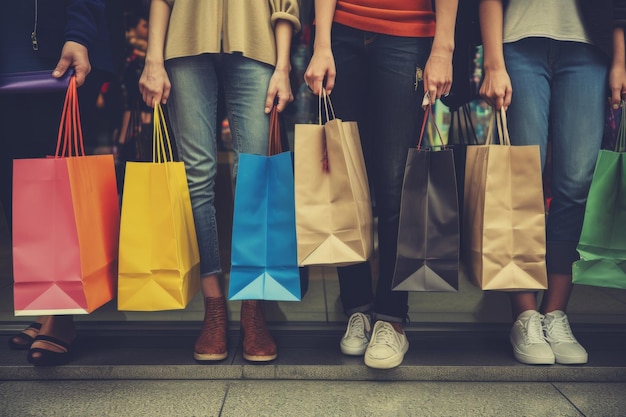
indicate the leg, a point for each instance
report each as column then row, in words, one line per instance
column 245, row 88
column 528, row 64
column 25, row 139
column 192, row 111
column 52, row 344
column 395, row 107
column 578, row 108
column 349, row 98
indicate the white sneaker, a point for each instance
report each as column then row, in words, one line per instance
column 387, row 347
column 559, row 335
column 357, row 336
column 529, row 345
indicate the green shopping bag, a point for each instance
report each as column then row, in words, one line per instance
column 602, row 245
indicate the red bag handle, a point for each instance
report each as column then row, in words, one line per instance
column 70, row 130
column 428, row 114
column 275, row 147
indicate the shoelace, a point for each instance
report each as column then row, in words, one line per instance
column 534, row 330
column 357, row 327
column 385, row 335
column 560, row 330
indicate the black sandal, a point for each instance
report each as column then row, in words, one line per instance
column 22, row 341
column 45, row 357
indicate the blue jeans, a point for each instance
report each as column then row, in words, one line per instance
column 379, row 85
column 560, row 94
column 192, row 109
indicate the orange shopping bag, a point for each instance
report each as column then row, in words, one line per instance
column 65, row 225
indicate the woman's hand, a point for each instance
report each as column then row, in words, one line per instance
column 321, row 66
column 73, row 55
column 279, row 88
column 617, row 84
column 438, row 75
column 496, row 88
column 154, row 83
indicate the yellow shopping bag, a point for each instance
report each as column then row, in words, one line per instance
column 159, row 262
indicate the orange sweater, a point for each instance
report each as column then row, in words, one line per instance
column 411, row 18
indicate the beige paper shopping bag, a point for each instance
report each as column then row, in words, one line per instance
column 504, row 214
column 333, row 207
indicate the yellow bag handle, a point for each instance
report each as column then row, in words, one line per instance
column 160, row 137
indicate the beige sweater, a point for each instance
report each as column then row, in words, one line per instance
column 246, row 26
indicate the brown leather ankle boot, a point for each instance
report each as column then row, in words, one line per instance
column 258, row 343
column 211, row 344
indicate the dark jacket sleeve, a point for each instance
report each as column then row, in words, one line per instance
column 83, row 20
column 96, row 24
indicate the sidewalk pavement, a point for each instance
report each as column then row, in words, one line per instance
column 452, row 373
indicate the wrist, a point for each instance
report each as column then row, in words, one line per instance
column 154, row 60
column 321, row 44
column 445, row 49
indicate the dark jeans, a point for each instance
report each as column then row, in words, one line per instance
column 379, row 85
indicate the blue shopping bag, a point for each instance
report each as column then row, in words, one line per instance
column 264, row 261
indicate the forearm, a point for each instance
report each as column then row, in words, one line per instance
column 619, row 49
column 324, row 13
column 491, row 29
column 283, row 32
column 445, row 11
column 82, row 17
column 159, row 21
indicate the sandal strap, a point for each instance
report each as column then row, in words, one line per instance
column 34, row 325
column 50, row 339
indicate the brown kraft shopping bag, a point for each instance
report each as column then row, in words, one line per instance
column 333, row 207
column 504, row 214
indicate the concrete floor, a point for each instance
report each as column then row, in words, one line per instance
column 309, row 398
column 452, row 373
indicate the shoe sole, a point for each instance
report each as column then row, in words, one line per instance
column 532, row 360
column 571, row 360
column 259, row 358
column 209, row 357
column 391, row 362
column 350, row 351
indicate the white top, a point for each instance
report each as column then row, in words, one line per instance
column 554, row 19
